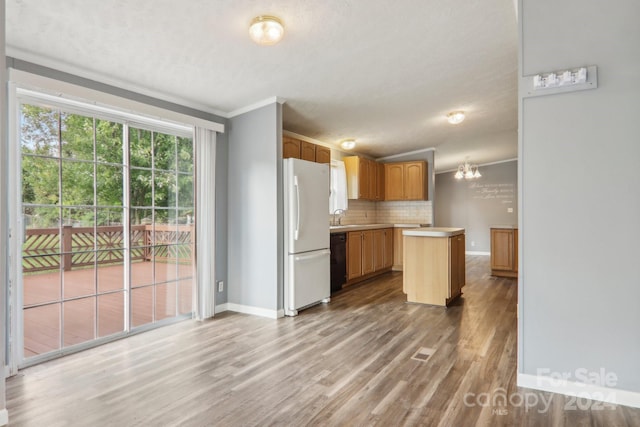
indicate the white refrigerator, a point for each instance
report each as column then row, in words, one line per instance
column 306, row 241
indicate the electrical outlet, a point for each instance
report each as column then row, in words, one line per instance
column 220, row 285
column 473, row 243
column 509, row 210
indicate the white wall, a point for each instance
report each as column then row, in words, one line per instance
column 255, row 211
column 579, row 286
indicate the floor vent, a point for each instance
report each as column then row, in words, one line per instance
column 423, row 354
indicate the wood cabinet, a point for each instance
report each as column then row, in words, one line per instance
column 354, row 255
column 307, row 151
column 297, row 149
column 323, row 154
column 504, row 252
column 398, row 244
column 457, row 265
column 394, row 181
column 405, row 181
column 362, row 178
column 434, row 268
column 383, row 245
column 369, row 252
column 290, row 147
column 379, row 190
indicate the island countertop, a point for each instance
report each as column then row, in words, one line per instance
column 433, row 232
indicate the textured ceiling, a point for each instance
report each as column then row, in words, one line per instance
column 382, row 72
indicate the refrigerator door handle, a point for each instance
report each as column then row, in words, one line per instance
column 316, row 254
column 295, row 184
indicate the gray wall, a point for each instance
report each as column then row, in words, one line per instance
column 478, row 204
column 255, row 208
column 580, row 206
column 4, row 245
column 222, row 184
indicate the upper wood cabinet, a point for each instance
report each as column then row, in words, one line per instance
column 308, row 151
column 362, row 178
column 290, row 147
column 297, row 149
column 323, row 154
column 393, row 181
column 405, row 181
column 379, row 193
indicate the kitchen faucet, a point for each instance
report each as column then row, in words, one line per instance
column 339, row 218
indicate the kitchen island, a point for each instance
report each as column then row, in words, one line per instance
column 434, row 265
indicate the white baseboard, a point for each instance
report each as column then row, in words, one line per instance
column 220, row 308
column 256, row 311
column 577, row 389
column 477, row 253
column 4, row 417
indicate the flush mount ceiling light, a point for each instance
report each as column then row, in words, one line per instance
column 467, row 171
column 266, row 30
column 455, row 117
column 348, row 144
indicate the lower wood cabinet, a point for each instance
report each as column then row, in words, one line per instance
column 398, row 247
column 369, row 252
column 434, row 269
column 457, row 265
column 504, row 252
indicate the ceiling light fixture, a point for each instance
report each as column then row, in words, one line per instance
column 266, row 30
column 455, row 117
column 467, row 171
column 348, row 144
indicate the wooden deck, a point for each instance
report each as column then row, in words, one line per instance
column 348, row 362
column 88, row 316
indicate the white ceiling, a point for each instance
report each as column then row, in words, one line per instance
column 382, row 72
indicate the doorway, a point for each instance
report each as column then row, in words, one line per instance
column 108, row 228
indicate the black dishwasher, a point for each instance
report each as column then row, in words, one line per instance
column 338, row 261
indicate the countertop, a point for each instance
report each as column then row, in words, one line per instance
column 434, row 232
column 507, row 226
column 360, row 227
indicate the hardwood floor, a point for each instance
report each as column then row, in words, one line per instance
column 345, row 363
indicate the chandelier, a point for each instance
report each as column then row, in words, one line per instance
column 467, row 171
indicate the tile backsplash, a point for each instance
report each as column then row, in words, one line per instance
column 415, row 212
column 367, row 212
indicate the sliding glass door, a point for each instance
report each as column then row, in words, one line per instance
column 108, row 227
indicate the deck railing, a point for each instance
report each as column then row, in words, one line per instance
column 47, row 249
